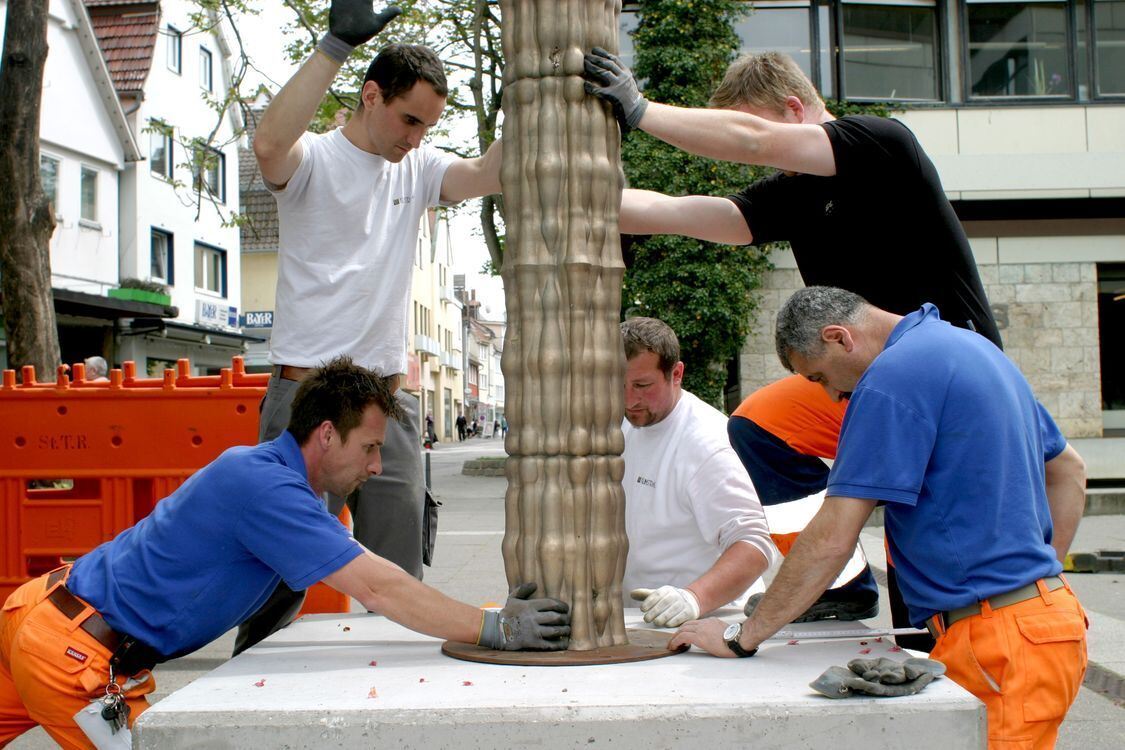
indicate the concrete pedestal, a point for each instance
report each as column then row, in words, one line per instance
column 360, row 681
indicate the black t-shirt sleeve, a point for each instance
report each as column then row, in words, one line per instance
column 769, row 208
column 863, row 144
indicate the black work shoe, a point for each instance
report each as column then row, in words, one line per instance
column 861, row 606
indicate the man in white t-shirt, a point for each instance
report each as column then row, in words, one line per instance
column 349, row 205
column 698, row 537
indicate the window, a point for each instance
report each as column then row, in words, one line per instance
column 160, row 149
column 162, row 266
column 1109, row 43
column 1018, row 49
column 89, row 193
column 780, row 26
column 211, row 269
column 890, row 51
column 49, row 178
column 209, row 172
column 205, row 68
column 1111, row 332
column 175, row 49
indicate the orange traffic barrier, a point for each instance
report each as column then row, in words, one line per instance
column 80, row 460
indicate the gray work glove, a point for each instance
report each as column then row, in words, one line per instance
column 607, row 78
column 880, row 677
column 531, row 624
column 352, row 23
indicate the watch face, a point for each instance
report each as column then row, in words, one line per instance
column 731, row 632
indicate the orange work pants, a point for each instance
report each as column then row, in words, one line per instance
column 1025, row 661
column 50, row 669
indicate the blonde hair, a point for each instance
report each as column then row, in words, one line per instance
column 765, row 81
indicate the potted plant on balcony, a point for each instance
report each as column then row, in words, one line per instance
column 141, row 291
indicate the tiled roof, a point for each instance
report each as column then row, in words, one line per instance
column 126, row 31
column 258, row 206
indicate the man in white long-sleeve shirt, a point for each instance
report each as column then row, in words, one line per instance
column 698, row 537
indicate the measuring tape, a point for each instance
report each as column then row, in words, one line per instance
column 825, row 635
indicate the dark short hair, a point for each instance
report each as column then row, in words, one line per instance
column 339, row 392
column 804, row 315
column 398, row 67
column 651, row 335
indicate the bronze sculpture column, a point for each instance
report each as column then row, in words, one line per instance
column 563, row 362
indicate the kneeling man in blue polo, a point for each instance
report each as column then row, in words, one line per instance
column 981, row 495
column 210, row 553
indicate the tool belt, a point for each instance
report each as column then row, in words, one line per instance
column 128, row 655
column 941, row 621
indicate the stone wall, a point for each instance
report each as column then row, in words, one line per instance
column 1048, row 317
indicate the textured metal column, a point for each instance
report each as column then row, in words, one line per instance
column 563, row 362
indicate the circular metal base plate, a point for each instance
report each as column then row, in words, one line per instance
column 643, row 645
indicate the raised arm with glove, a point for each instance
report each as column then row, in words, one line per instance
column 352, row 23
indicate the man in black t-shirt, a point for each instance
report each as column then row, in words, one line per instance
column 857, row 199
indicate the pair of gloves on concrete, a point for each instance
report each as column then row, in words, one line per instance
column 882, row 677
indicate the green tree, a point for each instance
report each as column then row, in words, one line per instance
column 705, row 292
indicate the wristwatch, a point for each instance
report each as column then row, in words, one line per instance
column 731, row 636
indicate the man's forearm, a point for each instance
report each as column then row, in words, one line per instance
column 817, row 557
column 290, row 112
column 736, row 569
column 1066, row 497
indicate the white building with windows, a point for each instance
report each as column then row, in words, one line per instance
column 177, row 205
column 1021, row 106
column 128, row 106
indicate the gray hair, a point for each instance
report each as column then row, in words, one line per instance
column 804, row 315
column 96, row 367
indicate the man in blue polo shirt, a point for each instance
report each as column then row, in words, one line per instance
column 211, row 553
column 981, row 493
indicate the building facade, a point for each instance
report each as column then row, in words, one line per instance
column 1021, row 106
column 137, row 204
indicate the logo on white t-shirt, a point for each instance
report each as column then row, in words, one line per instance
column 646, row 482
column 402, row 199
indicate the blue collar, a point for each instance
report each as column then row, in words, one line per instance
column 290, row 453
column 928, row 313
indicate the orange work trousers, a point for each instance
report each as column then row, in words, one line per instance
column 50, row 669
column 1026, row 663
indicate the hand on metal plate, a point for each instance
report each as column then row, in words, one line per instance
column 527, row 624
column 705, row 634
column 607, row 78
column 667, row 606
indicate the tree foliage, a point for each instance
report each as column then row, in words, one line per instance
column 702, row 290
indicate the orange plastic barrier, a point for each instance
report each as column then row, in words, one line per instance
column 80, row 461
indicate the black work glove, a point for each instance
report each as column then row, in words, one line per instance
column 880, row 677
column 532, row 624
column 607, row 78
column 352, row 23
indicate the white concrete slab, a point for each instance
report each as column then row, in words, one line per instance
column 356, row 680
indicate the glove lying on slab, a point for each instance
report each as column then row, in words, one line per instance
column 882, row 677
column 527, row 624
column 667, row 606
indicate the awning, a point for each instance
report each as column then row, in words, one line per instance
column 81, row 304
column 175, row 330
